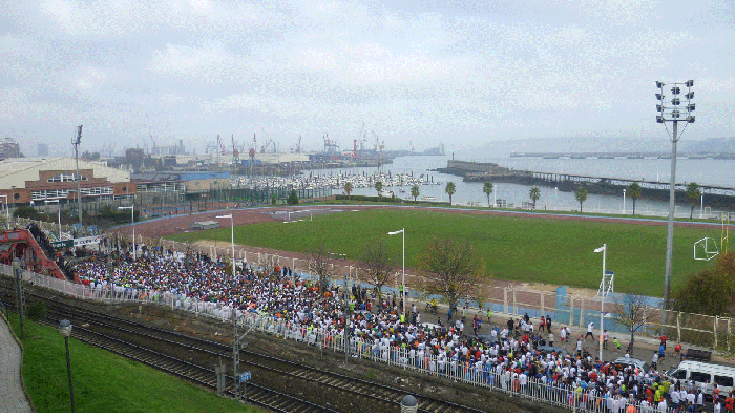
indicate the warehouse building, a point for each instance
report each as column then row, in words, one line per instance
column 31, row 181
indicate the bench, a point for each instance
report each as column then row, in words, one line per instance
column 702, row 355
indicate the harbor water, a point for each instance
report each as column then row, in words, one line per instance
column 706, row 172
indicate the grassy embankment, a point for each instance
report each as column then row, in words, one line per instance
column 105, row 382
column 515, row 248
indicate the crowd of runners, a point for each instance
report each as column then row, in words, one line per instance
column 510, row 353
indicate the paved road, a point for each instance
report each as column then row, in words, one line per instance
column 12, row 397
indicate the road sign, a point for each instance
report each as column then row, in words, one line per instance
column 63, row 244
column 245, row 376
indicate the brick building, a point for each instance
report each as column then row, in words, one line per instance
column 27, row 180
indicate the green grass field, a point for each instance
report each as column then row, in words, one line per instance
column 104, row 382
column 514, row 248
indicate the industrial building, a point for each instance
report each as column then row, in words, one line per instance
column 27, row 181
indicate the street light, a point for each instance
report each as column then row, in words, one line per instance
column 65, row 330
column 232, row 230
column 403, row 276
column 604, row 289
column 56, row 201
column 132, row 220
column 624, row 201
column 19, row 291
column 672, row 113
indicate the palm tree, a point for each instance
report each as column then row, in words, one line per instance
column 580, row 195
column 535, row 195
column 487, row 188
column 450, row 189
column 415, row 192
column 693, row 193
column 634, row 190
column 348, row 189
column 379, row 188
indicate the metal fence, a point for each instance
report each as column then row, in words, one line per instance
column 479, row 374
column 564, row 309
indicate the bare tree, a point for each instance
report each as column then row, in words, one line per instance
column 321, row 263
column 633, row 311
column 453, row 269
column 377, row 267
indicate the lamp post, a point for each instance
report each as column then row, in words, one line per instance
column 604, row 287
column 672, row 113
column 232, row 231
column 403, row 264
column 76, row 141
column 132, row 220
column 65, row 331
column 56, row 201
column 624, row 190
column 701, row 202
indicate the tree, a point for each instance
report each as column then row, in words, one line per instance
column 321, row 264
column 710, row 291
column 293, row 199
column 452, row 269
column 415, row 192
column 376, row 265
column 535, row 195
column 580, row 195
column 379, row 188
column 487, row 188
column 634, row 190
column 348, row 189
column 693, row 193
column 450, row 189
column 633, row 311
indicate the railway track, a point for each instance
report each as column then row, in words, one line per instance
column 278, row 384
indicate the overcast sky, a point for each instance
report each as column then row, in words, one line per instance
column 458, row 72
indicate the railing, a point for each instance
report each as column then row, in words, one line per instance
column 481, row 375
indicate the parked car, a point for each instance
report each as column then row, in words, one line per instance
column 624, row 362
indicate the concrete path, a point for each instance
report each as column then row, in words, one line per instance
column 12, row 397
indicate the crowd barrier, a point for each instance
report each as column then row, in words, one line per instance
column 515, row 385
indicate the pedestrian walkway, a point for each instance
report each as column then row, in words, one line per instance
column 12, row 397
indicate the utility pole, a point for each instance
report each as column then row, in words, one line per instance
column 236, row 347
column 76, row 141
column 19, row 280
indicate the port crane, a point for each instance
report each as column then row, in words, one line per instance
column 329, row 145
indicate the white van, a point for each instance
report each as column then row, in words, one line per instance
column 704, row 375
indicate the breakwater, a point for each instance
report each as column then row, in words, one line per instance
column 715, row 196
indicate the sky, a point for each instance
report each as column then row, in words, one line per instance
column 456, row 72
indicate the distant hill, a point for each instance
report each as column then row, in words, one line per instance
column 502, row 149
column 712, row 145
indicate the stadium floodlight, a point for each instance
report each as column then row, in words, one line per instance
column 672, row 114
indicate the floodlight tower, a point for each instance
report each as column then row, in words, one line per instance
column 76, row 141
column 679, row 109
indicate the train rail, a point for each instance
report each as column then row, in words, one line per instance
column 278, row 384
